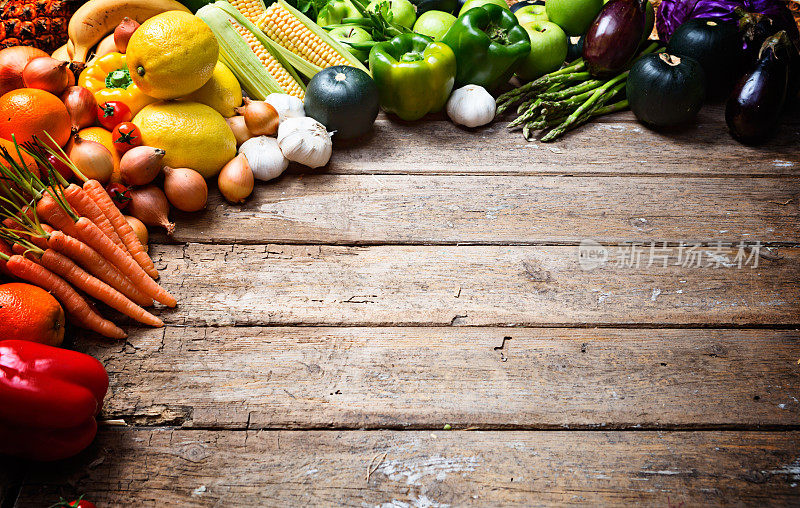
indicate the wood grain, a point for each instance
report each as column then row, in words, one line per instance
column 166, row 467
column 348, row 209
column 492, row 378
column 219, row 285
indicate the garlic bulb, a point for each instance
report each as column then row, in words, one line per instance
column 264, row 156
column 471, row 106
column 306, row 141
column 287, row 106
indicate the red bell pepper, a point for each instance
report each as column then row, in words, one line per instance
column 49, row 398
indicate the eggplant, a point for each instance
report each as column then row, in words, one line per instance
column 717, row 46
column 575, row 47
column 756, row 103
column 614, row 37
column 665, row 90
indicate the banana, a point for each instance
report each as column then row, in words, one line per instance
column 97, row 18
column 61, row 54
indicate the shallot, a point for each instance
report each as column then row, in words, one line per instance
column 141, row 164
column 139, row 229
column 260, row 117
column 185, row 189
column 92, row 159
column 149, row 205
column 239, row 129
column 48, row 74
column 236, row 180
column 123, row 32
column 81, row 106
column 12, row 61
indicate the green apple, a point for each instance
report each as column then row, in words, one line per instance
column 531, row 13
column 403, row 12
column 548, row 50
column 434, row 24
column 353, row 34
column 574, row 16
column 471, row 4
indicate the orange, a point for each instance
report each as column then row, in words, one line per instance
column 104, row 137
column 28, row 112
column 30, row 313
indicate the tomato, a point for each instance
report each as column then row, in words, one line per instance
column 112, row 113
column 59, row 166
column 82, row 503
column 120, row 194
column 126, row 136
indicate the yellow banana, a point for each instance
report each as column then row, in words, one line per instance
column 97, row 18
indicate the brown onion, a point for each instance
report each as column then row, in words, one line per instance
column 49, row 74
column 81, row 105
column 92, row 159
column 141, row 165
column 260, row 117
column 12, row 61
column 185, row 188
column 239, row 129
column 123, row 32
column 149, row 205
column 236, row 180
column 139, row 229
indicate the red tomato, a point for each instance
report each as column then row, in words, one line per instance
column 82, row 503
column 59, row 166
column 126, row 136
column 112, row 113
column 119, row 194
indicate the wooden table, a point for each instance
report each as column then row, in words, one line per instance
column 414, row 325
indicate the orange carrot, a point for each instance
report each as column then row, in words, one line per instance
column 106, row 204
column 19, row 229
column 95, row 264
column 51, row 212
column 80, row 201
column 73, row 303
column 72, row 273
column 91, row 235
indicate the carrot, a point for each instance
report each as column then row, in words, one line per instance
column 16, row 226
column 93, row 237
column 104, row 202
column 84, row 205
column 72, row 273
column 95, row 264
column 51, row 212
column 73, row 303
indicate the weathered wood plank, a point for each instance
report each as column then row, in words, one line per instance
column 416, row 377
column 347, row 209
column 614, row 145
column 166, row 467
column 222, row 285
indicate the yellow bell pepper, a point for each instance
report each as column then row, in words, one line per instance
column 108, row 79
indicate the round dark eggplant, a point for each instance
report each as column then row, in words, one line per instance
column 524, row 3
column 614, row 37
column 343, row 99
column 575, row 47
column 449, row 6
column 755, row 105
column 666, row 90
column 717, row 46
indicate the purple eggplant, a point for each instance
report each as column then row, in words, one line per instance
column 755, row 105
column 614, row 37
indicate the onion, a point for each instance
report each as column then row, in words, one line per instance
column 185, row 188
column 149, row 205
column 91, row 158
column 140, row 165
column 49, row 74
column 123, row 32
column 239, row 128
column 139, row 229
column 81, row 106
column 260, row 117
column 236, row 180
column 12, row 61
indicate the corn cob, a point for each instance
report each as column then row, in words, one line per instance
column 250, row 9
column 252, row 58
column 292, row 30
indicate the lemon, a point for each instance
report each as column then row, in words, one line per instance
column 172, row 54
column 222, row 92
column 194, row 135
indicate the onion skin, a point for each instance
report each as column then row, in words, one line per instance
column 149, row 204
column 48, row 74
column 185, row 188
column 239, row 128
column 81, row 106
column 236, row 180
column 141, row 164
column 12, row 61
column 139, row 229
column 91, row 158
column 260, row 117
column 123, row 32
column 614, row 37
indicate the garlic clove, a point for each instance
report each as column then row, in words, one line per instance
column 471, row 106
column 265, row 157
column 306, row 141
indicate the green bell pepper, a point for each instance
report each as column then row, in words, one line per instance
column 489, row 44
column 414, row 75
column 335, row 11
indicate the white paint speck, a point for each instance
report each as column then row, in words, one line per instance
column 199, row 490
column 656, row 292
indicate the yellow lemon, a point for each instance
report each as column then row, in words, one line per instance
column 222, row 92
column 172, row 54
column 194, row 135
